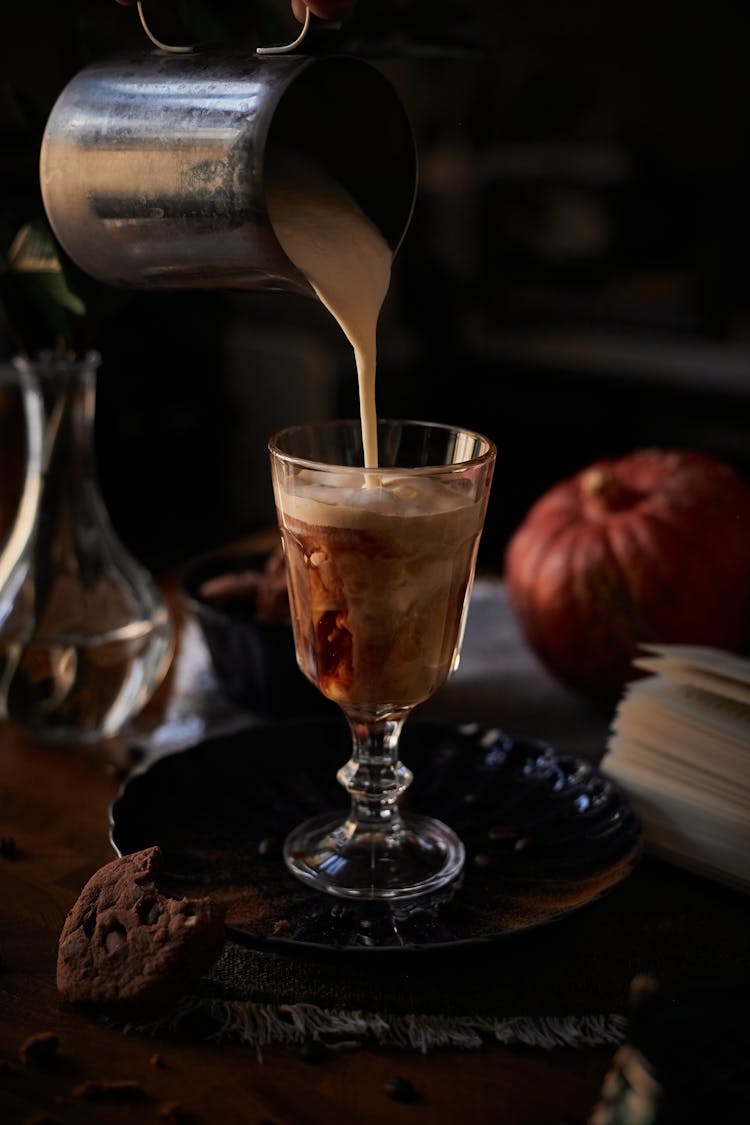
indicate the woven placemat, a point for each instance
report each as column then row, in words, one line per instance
column 563, row 984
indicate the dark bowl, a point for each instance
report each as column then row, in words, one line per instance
column 253, row 660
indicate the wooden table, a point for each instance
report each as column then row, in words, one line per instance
column 54, row 807
column 54, row 804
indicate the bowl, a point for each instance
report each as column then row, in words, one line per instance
column 240, row 603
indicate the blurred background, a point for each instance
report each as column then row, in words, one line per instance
column 574, row 282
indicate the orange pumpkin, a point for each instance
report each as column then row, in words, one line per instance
column 651, row 546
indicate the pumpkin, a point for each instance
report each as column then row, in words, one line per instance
column 651, row 546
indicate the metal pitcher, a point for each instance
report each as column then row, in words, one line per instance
column 153, row 166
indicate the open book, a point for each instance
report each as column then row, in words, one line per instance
column 679, row 744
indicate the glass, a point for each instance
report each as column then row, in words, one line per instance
column 380, row 565
column 85, row 635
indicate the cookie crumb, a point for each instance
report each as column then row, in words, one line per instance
column 9, row 848
column 281, row 927
column 124, row 1090
column 158, row 1061
column 401, row 1089
column 174, row 1113
column 39, row 1049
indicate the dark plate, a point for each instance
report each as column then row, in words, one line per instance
column 545, row 833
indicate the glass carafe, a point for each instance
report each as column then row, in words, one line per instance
column 85, row 635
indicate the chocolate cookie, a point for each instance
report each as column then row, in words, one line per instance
column 126, row 947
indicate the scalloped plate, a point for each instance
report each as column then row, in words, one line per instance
column 545, row 833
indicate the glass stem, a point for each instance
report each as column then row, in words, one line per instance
column 374, row 777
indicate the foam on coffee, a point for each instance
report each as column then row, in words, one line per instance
column 349, row 499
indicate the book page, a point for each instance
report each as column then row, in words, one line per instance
column 672, row 733
column 628, row 761
column 687, row 831
column 679, row 745
column 727, row 672
column 717, row 716
column 692, row 674
column 661, row 768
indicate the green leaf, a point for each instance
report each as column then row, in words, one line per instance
column 42, row 309
column 34, row 254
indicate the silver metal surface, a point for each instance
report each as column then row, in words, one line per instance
column 153, row 166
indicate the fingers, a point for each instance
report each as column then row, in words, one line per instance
column 326, row 9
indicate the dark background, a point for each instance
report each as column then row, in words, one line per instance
column 574, row 282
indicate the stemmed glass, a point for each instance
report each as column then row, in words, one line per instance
column 380, row 565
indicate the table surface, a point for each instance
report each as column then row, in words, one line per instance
column 54, row 805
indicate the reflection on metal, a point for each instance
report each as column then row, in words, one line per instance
column 153, row 168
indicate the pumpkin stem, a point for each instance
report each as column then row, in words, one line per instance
column 603, row 491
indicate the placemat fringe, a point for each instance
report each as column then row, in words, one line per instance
column 263, row 1025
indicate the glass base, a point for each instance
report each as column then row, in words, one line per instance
column 327, row 853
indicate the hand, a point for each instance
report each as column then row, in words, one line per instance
column 326, row 9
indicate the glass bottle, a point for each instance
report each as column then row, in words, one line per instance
column 85, row 635
column 685, row 1057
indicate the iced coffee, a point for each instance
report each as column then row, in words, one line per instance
column 378, row 566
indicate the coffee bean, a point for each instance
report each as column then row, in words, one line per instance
column 401, row 1089
column 119, row 1090
column 39, row 1049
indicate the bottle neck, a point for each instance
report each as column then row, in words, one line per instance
column 67, row 395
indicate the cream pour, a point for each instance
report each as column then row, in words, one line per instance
column 345, row 258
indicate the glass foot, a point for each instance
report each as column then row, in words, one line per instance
column 350, row 861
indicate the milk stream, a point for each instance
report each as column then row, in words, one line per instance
column 346, row 260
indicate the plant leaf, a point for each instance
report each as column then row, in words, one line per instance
column 43, row 311
column 33, row 252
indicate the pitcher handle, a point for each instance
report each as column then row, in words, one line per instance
column 282, row 49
